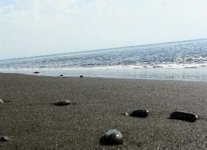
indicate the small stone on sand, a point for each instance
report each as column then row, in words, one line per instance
column 61, row 75
column 112, row 137
column 62, row 103
column 81, row 76
column 4, row 138
column 142, row 113
column 1, row 101
column 185, row 116
column 126, row 114
column 36, row 72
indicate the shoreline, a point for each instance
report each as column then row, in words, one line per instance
column 28, row 117
column 117, row 75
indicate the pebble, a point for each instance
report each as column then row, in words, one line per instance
column 81, row 76
column 62, row 103
column 126, row 114
column 112, row 137
column 1, row 101
column 61, row 75
column 185, row 116
column 142, row 113
column 36, row 72
column 4, row 138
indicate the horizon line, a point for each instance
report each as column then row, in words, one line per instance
column 110, row 48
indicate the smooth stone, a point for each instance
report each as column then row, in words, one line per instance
column 1, row 101
column 36, row 72
column 4, row 138
column 112, row 137
column 185, row 116
column 61, row 75
column 142, row 113
column 126, row 114
column 81, row 76
column 62, row 103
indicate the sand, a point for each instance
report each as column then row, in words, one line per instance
column 32, row 122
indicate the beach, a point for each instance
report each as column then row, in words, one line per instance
column 28, row 117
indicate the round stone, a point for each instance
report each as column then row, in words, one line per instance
column 112, row 137
column 81, row 76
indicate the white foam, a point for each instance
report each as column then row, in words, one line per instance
column 115, row 67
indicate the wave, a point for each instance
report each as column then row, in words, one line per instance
column 185, row 55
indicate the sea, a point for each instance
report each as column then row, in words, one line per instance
column 183, row 60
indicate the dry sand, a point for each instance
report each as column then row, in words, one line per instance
column 31, row 122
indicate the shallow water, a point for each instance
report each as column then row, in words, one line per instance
column 170, row 61
column 199, row 74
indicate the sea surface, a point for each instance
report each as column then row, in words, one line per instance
column 183, row 60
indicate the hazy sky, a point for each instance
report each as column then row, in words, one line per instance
column 38, row 27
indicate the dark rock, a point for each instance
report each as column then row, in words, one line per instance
column 61, row 75
column 36, row 72
column 4, row 138
column 81, row 76
column 185, row 116
column 142, row 113
column 62, row 103
column 1, row 101
column 112, row 137
column 64, row 77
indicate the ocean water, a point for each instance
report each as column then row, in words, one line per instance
column 185, row 60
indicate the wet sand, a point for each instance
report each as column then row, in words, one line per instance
column 31, row 122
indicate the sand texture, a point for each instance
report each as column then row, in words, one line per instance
column 28, row 117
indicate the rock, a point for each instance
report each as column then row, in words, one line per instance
column 62, row 103
column 61, row 75
column 142, row 113
column 185, row 116
column 112, row 137
column 81, row 76
column 1, row 101
column 36, row 72
column 126, row 114
column 4, row 138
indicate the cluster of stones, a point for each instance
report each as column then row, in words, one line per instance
column 61, row 75
column 114, row 136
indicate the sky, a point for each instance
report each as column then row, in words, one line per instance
column 40, row 27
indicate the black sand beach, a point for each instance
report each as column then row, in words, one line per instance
column 32, row 122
